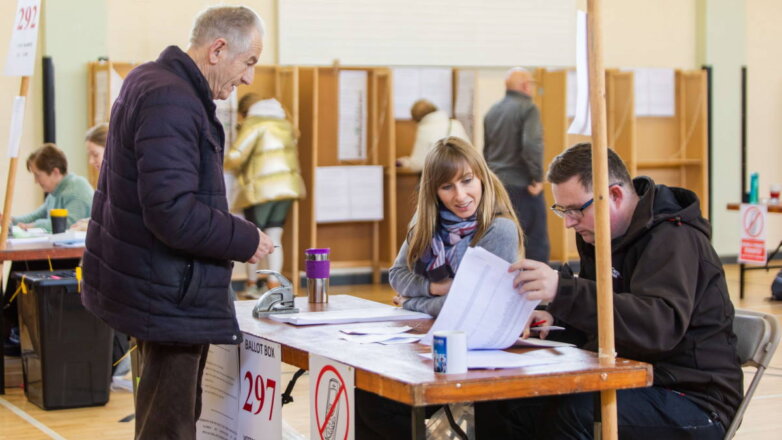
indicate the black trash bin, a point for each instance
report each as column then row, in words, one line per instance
column 66, row 350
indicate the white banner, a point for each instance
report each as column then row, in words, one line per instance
column 220, row 395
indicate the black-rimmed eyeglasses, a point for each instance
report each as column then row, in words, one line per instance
column 576, row 213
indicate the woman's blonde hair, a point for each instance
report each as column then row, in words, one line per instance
column 446, row 160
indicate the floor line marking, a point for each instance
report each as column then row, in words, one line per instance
column 30, row 419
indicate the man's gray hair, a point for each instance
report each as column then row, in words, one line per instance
column 234, row 23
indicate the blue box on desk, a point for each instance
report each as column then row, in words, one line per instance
column 66, row 350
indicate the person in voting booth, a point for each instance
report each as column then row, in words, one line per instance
column 513, row 147
column 671, row 309
column 432, row 125
column 95, row 142
column 266, row 163
column 160, row 240
column 64, row 190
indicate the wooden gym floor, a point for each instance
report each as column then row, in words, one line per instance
column 20, row 419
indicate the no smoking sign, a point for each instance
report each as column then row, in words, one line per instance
column 332, row 415
column 753, row 234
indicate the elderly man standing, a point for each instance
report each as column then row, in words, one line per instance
column 513, row 147
column 161, row 239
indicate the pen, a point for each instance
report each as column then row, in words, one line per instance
column 537, row 323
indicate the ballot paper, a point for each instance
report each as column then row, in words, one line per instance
column 388, row 313
column 375, row 330
column 382, row 339
column 483, row 303
column 494, row 359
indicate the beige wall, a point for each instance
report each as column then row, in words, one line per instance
column 140, row 29
column 764, row 114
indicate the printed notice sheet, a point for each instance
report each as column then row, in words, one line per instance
column 483, row 303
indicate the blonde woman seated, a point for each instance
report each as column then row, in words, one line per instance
column 461, row 203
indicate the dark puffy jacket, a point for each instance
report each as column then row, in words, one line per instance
column 161, row 240
column 671, row 303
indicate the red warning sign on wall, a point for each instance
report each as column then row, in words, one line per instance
column 753, row 234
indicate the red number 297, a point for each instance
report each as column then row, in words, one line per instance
column 257, row 390
column 27, row 18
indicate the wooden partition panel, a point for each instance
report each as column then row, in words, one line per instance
column 353, row 244
column 620, row 105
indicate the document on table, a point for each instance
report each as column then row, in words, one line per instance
column 483, row 303
column 494, row 359
column 388, row 313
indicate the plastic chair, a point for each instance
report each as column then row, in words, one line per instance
column 758, row 338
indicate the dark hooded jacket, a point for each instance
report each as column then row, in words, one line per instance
column 161, row 240
column 671, row 303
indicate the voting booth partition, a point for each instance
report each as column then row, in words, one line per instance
column 667, row 141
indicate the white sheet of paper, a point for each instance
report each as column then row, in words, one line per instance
column 348, row 193
column 220, row 396
column 464, row 107
column 116, row 85
column 483, row 303
column 15, row 129
column 375, row 330
column 492, row 359
column 352, row 135
column 388, row 313
column 582, row 123
column 101, row 79
column 541, row 343
column 385, row 339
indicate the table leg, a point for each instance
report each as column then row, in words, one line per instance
column 418, row 415
column 2, row 327
column 741, row 280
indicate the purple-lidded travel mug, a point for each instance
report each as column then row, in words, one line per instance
column 317, row 266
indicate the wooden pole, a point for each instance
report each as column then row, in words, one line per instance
column 24, row 88
column 605, row 303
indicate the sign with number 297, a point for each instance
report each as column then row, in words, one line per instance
column 260, row 393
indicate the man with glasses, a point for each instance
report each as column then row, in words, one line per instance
column 671, row 309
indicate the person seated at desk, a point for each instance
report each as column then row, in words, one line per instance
column 671, row 309
column 461, row 203
column 433, row 125
column 95, row 141
column 65, row 191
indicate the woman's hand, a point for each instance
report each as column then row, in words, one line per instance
column 80, row 225
column 440, row 288
column 539, row 318
column 25, row 226
column 399, row 300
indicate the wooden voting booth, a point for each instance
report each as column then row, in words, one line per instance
column 352, row 243
column 673, row 150
column 105, row 80
column 463, row 87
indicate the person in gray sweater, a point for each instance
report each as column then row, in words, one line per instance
column 461, row 203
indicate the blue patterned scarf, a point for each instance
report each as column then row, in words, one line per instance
column 453, row 233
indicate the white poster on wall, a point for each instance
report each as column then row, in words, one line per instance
column 348, row 193
column 413, row 83
column 352, row 134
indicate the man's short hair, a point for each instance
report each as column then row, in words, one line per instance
column 421, row 108
column 47, row 158
column 234, row 23
column 577, row 161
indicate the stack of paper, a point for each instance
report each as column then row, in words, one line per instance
column 382, row 335
column 347, row 316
